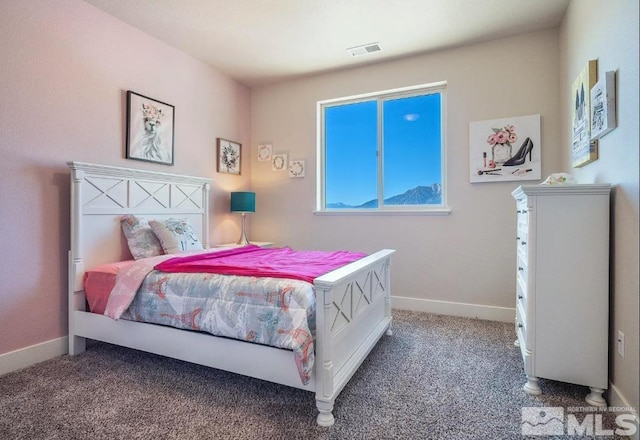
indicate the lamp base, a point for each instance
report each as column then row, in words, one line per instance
column 243, row 240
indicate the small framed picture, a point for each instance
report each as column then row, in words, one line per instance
column 264, row 152
column 150, row 129
column 296, row 168
column 279, row 162
column 228, row 154
column 603, row 106
column 583, row 149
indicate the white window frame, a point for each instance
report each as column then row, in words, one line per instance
column 405, row 92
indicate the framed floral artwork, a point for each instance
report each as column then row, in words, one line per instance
column 279, row 162
column 264, row 152
column 505, row 149
column 296, row 168
column 150, row 129
column 228, row 154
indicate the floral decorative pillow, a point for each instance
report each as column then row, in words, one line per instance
column 142, row 241
column 175, row 235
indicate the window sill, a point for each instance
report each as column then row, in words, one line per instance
column 399, row 212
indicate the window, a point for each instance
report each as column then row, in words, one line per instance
column 382, row 152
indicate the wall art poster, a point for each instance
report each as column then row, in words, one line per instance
column 505, row 149
column 603, row 106
column 296, row 168
column 583, row 149
column 150, row 129
column 264, row 152
column 228, row 153
column 279, row 162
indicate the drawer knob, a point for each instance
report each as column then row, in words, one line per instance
column 520, row 296
column 520, row 325
column 523, row 242
column 520, row 268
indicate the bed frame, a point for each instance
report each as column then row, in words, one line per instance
column 353, row 302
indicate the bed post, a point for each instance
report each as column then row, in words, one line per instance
column 387, row 277
column 325, row 397
column 205, row 222
column 353, row 311
column 76, row 300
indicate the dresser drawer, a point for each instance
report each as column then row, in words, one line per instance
column 523, row 215
column 527, row 355
column 523, row 328
column 522, row 269
column 521, row 295
column 523, row 241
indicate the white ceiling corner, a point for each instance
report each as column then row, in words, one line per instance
column 262, row 41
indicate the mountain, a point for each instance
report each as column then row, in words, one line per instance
column 420, row 195
column 338, row 205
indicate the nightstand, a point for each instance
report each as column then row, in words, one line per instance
column 264, row 244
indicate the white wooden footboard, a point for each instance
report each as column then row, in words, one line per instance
column 353, row 312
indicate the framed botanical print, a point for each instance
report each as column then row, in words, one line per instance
column 297, row 168
column 228, row 156
column 279, row 162
column 264, row 152
column 150, row 129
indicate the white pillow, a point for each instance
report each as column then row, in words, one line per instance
column 175, row 235
column 142, row 241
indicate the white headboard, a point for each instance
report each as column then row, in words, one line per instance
column 101, row 195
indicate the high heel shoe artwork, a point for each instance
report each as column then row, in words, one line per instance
column 521, row 154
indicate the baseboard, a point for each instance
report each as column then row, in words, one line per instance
column 25, row 357
column 618, row 400
column 490, row 313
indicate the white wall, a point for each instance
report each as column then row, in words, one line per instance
column 465, row 257
column 608, row 32
column 64, row 73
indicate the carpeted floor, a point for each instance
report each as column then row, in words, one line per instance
column 437, row 377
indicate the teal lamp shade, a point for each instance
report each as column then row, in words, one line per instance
column 243, row 202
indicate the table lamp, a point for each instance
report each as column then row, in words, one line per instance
column 243, row 202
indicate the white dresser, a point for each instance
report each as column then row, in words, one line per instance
column 562, row 303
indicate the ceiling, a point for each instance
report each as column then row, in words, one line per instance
column 263, row 41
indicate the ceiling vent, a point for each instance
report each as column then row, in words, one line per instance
column 364, row 49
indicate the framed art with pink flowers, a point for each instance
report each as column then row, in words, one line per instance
column 150, row 129
column 505, row 149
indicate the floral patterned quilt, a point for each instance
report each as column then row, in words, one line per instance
column 265, row 297
column 272, row 311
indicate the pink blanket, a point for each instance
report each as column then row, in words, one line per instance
column 255, row 261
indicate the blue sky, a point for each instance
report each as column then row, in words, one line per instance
column 411, row 148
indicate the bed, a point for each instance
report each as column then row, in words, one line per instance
column 353, row 302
